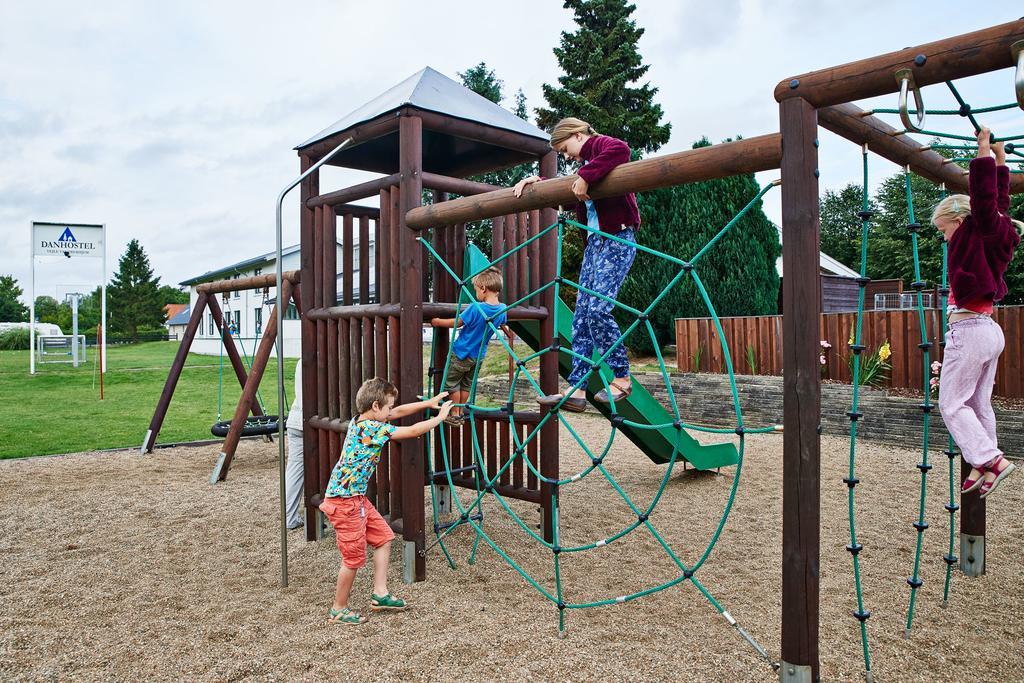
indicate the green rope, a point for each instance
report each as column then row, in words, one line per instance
column 486, row 481
column 220, row 377
column 915, row 581
column 861, row 615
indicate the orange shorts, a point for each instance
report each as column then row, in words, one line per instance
column 356, row 523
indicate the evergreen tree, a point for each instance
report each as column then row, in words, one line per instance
column 600, row 63
column 11, row 308
column 134, row 294
column 738, row 273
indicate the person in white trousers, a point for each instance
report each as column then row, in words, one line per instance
column 294, row 469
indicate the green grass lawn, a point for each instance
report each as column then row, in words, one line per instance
column 59, row 409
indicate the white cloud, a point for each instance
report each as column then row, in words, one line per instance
column 174, row 123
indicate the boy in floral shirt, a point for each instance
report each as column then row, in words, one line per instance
column 356, row 522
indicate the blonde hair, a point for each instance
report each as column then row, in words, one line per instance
column 954, row 206
column 959, row 206
column 568, row 127
column 374, row 390
column 489, row 280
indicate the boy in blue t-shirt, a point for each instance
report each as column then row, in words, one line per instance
column 474, row 334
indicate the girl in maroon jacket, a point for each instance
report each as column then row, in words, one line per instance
column 605, row 262
column 981, row 239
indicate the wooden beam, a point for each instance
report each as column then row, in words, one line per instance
column 364, row 132
column 443, row 183
column 472, row 130
column 760, row 153
column 430, row 310
column 194, row 321
column 801, row 383
column 968, row 54
column 353, row 193
column 247, row 402
column 221, row 286
column 851, row 122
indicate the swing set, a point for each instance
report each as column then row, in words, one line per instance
column 249, row 417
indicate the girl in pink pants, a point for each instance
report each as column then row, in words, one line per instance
column 981, row 239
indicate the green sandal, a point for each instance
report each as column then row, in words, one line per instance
column 344, row 616
column 388, row 602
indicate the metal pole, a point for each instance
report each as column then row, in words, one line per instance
column 280, row 358
column 32, row 303
column 74, row 329
column 103, row 307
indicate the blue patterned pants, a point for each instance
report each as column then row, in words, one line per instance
column 605, row 265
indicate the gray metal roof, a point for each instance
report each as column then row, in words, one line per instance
column 182, row 317
column 433, row 91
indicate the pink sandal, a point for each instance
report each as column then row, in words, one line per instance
column 1001, row 473
column 971, row 484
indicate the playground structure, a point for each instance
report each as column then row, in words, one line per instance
column 248, row 418
column 390, row 327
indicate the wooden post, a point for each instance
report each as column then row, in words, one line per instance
column 310, row 442
column 332, row 361
column 252, row 384
column 801, row 392
column 972, row 528
column 321, row 371
column 411, row 333
column 160, row 413
column 549, row 265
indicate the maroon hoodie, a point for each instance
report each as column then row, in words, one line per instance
column 602, row 153
column 982, row 247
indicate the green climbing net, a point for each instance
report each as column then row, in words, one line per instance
column 918, row 285
column 471, row 513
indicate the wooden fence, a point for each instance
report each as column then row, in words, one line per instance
column 755, row 345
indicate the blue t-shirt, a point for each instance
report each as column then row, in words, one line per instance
column 474, row 333
column 592, row 221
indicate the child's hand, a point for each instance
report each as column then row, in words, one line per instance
column 579, row 188
column 436, row 401
column 434, row 321
column 529, row 180
column 446, row 408
column 984, row 144
column 1000, row 149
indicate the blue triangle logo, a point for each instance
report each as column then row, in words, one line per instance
column 66, row 236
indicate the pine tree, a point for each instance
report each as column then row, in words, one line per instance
column 600, row 63
column 11, row 308
column 738, row 273
column 134, row 294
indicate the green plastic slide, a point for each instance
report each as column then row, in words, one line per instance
column 639, row 407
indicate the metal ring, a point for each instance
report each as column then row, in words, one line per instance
column 1017, row 50
column 906, row 80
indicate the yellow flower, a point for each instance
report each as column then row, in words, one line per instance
column 884, row 352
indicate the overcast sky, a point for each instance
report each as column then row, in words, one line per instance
column 174, row 122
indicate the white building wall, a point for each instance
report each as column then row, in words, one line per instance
column 247, row 307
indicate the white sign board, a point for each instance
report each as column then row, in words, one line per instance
column 62, row 239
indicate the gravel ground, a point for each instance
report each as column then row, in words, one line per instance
column 120, row 567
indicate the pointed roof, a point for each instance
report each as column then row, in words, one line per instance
column 431, row 90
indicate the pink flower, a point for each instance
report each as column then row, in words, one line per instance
column 821, row 359
column 934, row 382
column 936, row 367
column 825, row 344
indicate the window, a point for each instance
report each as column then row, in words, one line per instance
column 258, row 318
column 209, row 318
column 238, row 294
column 291, row 313
column 257, row 273
column 238, row 323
